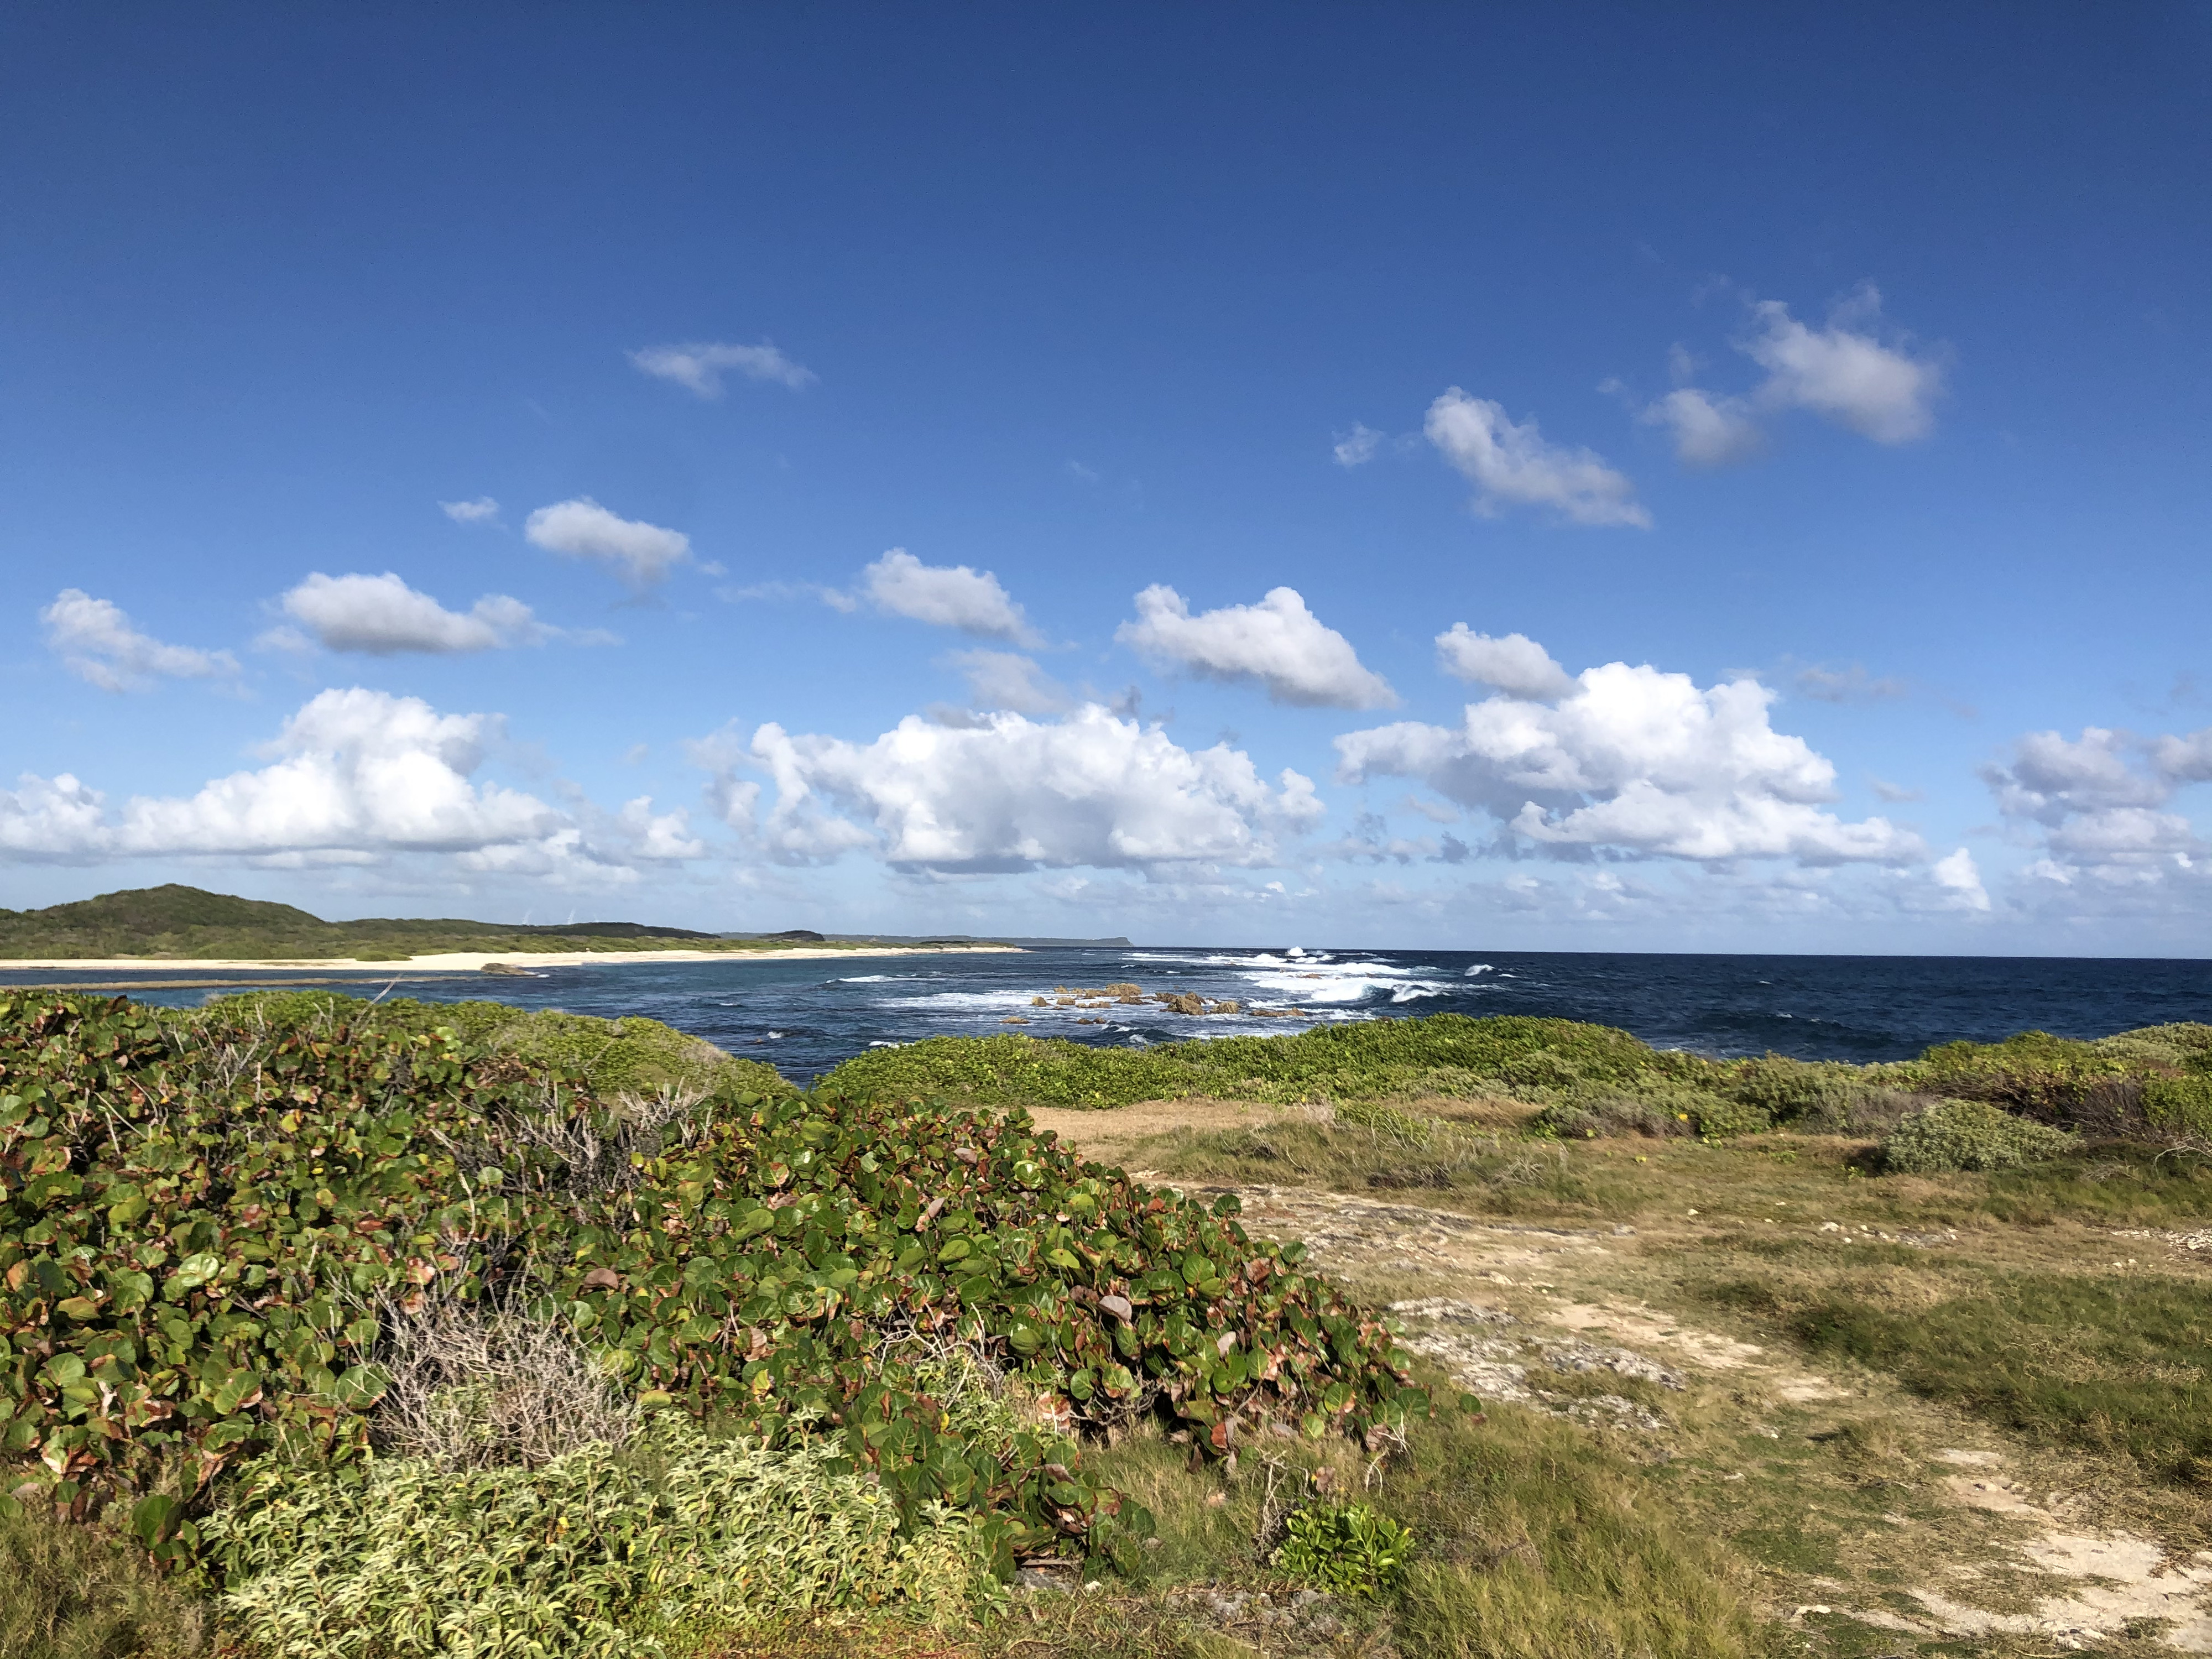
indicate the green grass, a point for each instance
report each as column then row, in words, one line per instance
column 2107, row 1185
column 1541, row 1543
column 78, row 1592
column 1453, row 1165
column 1535, row 1541
column 2109, row 1362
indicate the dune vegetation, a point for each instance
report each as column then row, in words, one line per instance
column 399, row 1329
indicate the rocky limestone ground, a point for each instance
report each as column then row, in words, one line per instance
column 1881, row 1523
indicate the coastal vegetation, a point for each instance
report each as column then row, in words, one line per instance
column 230, row 1237
column 189, row 924
column 405, row 1328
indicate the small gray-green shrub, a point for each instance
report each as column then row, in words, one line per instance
column 1970, row 1134
column 1650, row 1106
column 585, row 1555
column 1350, row 1549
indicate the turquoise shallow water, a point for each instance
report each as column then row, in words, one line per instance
column 805, row 1016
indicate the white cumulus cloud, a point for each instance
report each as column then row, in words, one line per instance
column 355, row 776
column 1635, row 762
column 100, row 644
column 482, row 510
column 1513, row 464
column 2101, row 805
column 1277, row 643
column 1011, row 793
column 382, row 615
column 58, row 819
column 641, row 554
column 698, row 366
column 945, row 595
column 354, row 769
column 1960, row 880
column 1515, row 665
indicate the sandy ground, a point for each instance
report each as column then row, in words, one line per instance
column 473, row 961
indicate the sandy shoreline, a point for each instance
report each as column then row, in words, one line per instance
column 473, row 961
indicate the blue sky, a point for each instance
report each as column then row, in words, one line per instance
column 1740, row 479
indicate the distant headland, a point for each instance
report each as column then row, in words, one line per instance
column 146, row 927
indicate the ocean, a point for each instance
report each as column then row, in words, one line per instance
column 805, row 1016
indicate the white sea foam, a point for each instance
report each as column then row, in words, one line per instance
column 973, row 1001
column 1479, row 968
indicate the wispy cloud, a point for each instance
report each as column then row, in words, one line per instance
column 946, row 596
column 482, row 510
column 1359, row 447
column 382, row 615
column 1512, row 465
column 1846, row 372
column 1278, row 644
column 1006, row 679
column 698, row 366
column 97, row 643
column 1851, row 685
column 642, row 553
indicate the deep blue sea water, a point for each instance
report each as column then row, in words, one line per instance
column 805, row 1016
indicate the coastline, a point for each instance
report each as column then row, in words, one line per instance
column 474, row 962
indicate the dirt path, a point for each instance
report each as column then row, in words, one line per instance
column 1882, row 1523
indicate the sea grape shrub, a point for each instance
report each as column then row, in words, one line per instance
column 190, row 1244
column 1348, row 1549
column 766, row 1274
column 187, row 1233
column 629, row 1055
column 1970, row 1134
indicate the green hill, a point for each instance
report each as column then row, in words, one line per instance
column 189, row 922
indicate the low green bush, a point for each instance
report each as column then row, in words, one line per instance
column 588, row 1554
column 1358, row 1059
column 1724, row 1119
column 2180, row 1106
column 1349, row 1549
column 1953, row 1135
column 2034, row 1071
column 1824, row 1096
column 2183, row 1045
